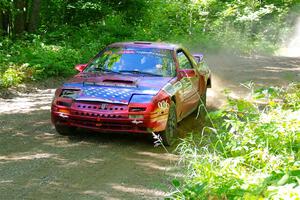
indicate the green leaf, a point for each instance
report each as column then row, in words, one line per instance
column 298, row 180
column 283, row 180
column 175, row 183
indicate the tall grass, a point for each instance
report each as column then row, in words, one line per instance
column 250, row 150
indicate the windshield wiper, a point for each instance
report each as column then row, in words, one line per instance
column 106, row 70
column 139, row 72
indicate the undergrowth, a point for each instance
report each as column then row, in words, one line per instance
column 35, row 57
column 250, row 150
column 22, row 60
column 83, row 28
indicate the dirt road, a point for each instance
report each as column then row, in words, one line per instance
column 36, row 163
column 230, row 72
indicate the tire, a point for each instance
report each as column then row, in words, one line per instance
column 169, row 135
column 65, row 130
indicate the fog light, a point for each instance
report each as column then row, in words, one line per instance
column 136, row 116
column 63, row 110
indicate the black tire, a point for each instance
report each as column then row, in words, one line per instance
column 65, row 130
column 169, row 135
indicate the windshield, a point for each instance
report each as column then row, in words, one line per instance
column 146, row 61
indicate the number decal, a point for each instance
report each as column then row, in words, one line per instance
column 163, row 105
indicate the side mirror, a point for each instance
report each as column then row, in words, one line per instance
column 198, row 57
column 80, row 67
column 186, row 73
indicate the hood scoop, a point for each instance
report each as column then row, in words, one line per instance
column 111, row 82
column 118, row 81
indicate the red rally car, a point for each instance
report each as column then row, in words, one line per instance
column 137, row 87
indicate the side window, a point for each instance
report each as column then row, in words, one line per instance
column 184, row 62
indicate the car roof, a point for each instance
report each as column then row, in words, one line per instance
column 146, row 44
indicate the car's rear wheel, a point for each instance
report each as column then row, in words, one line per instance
column 65, row 130
column 169, row 135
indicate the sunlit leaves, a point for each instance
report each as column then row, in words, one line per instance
column 252, row 153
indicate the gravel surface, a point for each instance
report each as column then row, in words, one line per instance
column 37, row 163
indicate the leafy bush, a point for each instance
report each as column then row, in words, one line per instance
column 14, row 75
column 84, row 27
column 41, row 61
column 250, row 151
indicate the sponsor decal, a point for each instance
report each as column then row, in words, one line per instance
column 169, row 89
column 173, row 89
column 163, row 107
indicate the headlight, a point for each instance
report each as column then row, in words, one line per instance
column 69, row 93
column 141, row 98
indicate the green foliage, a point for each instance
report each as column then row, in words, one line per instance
column 14, row 75
column 41, row 59
column 72, row 32
column 250, row 151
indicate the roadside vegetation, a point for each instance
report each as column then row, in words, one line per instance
column 41, row 39
column 249, row 150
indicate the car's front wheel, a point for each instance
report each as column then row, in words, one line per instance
column 169, row 135
column 65, row 130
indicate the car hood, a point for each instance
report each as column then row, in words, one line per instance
column 114, row 88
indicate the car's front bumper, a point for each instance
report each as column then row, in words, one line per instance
column 113, row 118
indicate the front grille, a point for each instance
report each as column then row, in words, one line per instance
column 91, row 114
column 99, row 110
column 100, row 106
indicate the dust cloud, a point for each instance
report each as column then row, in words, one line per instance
column 291, row 48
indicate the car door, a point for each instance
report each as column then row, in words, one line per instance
column 189, row 78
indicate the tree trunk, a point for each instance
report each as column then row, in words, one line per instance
column 5, row 22
column 34, row 16
column 1, row 23
column 20, row 17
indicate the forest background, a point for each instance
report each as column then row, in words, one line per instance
column 41, row 39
